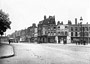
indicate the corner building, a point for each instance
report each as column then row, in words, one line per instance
column 47, row 30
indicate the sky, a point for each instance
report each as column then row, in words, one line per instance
column 23, row 13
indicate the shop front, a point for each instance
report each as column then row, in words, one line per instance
column 62, row 39
column 79, row 40
column 51, row 39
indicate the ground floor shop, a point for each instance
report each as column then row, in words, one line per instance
column 80, row 40
column 62, row 39
column 53, row 39
column 46, row 39
column 42, row 39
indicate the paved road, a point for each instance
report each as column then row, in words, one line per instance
column 48, row 54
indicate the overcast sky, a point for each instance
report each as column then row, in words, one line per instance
column 23, row 13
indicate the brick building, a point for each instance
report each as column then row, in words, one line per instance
column 42, row 30
column 51, row 29
column 47, row 30
column 79, row 32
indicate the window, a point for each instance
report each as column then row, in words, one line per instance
column 65, row 26
column 75, row 28
column 71, row 28
column 54, row 32
column 86, row 28
column 83, row 28
column 71, row 33
column 66, row 33
column 54, row 27
column 62, row 33
column 48, row 28
column 76, row 34
column 48, row 32
column 58, row 26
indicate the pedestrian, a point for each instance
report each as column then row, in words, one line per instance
column 84, row 43
column 9, row 41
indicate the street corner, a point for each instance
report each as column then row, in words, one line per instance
column 6, row 51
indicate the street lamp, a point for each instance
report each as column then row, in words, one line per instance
column 82, row 31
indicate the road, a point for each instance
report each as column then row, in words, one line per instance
column 26, row 53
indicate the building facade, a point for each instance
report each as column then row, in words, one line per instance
column 47, row 30
column 84, row 32
column 79, row 32
column 51, row 32
column 74, row 32
column 62, row 33
column 42, row 30
column 88, row 33
column 33, row 33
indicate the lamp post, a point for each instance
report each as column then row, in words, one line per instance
column 82, row 31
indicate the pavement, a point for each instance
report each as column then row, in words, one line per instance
column 6, row 50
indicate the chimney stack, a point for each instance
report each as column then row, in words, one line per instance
column 75, row 21
column 45, row 17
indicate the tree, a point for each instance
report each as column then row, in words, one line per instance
column 4, row 22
